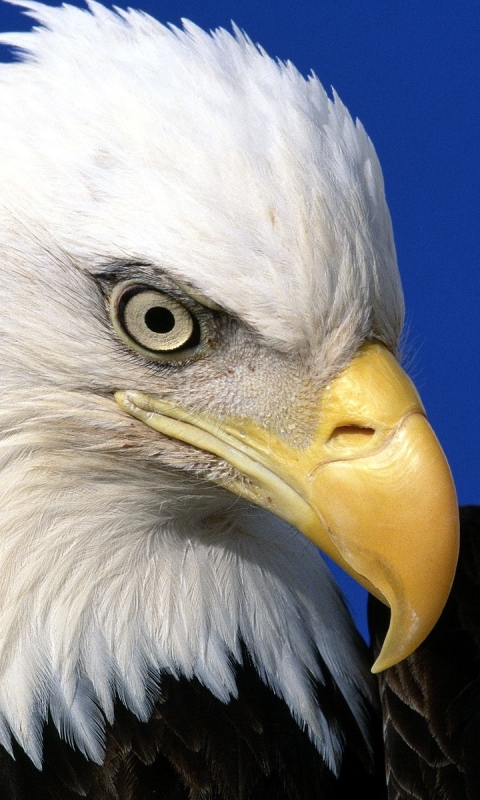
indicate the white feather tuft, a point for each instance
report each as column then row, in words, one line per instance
column 130, row 597
column 241, row 176
column 200, row 158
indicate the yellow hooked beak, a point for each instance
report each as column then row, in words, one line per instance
column 372, row 489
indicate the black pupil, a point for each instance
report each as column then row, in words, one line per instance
column 159, row 319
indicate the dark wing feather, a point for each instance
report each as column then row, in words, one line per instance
column 431, row 701
column 195, row 747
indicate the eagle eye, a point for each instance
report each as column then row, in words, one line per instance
column 152, row 322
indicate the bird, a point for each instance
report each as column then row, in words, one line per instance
column 200, row 338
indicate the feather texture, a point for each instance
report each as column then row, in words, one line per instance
column 238, row 169
column 194, row 747
column 137, row 595
column 431, row 701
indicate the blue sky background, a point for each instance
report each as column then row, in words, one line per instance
column 410, row 70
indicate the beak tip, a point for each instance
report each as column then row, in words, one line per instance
column 382, row 663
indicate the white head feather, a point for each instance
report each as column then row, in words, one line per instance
column 197, row 155
column 237, row 167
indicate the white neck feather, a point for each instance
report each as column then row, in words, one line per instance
column 266, row 190
column 106, row 582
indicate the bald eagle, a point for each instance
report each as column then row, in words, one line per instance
column 199, row 334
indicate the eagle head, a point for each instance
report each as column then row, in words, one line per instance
column 199, row 335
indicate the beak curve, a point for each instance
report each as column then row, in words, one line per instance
column 393, row 516
column 372, row 489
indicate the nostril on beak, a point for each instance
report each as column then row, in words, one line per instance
column 351, row 436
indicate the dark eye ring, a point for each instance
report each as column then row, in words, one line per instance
column 153, row 322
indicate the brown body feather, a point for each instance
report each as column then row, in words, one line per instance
column 431, row 701
column 195, row 747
